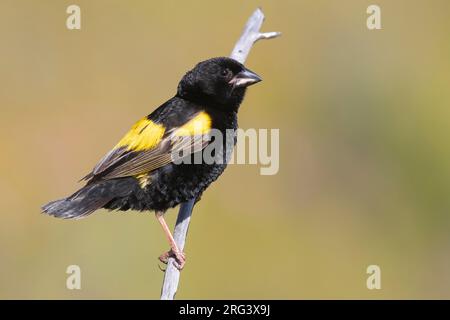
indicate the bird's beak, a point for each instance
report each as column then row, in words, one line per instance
column 245, row 78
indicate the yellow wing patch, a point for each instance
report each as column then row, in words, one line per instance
column 144, row 179
column 144, row 135
column 200, row 124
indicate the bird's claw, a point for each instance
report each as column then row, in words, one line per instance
column 160, row 268
column 180, row 258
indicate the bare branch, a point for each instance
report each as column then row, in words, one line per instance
column 172, row 274
column 249, row 36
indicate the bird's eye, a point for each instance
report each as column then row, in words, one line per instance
column 225, row 72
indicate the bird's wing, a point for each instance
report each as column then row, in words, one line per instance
column 149, row 145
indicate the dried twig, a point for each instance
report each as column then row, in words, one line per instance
column 240, row 52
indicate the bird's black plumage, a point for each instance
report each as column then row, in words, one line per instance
column 139, row 173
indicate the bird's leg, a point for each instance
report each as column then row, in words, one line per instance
column 174, row 251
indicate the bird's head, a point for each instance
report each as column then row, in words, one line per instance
column 219, row 82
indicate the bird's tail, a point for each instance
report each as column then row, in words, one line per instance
column 86, row 200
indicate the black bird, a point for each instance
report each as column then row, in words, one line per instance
column 141, row 172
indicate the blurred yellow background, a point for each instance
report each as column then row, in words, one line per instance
column 364, row 124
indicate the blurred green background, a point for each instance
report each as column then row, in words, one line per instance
column 364, row 124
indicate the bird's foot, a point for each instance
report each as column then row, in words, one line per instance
column 180, row 258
